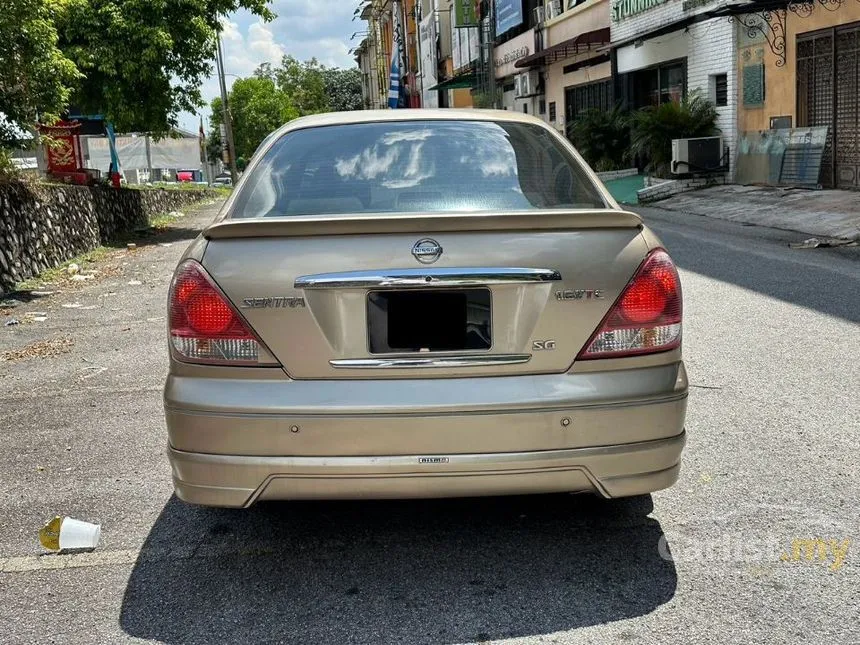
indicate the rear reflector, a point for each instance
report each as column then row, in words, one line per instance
column 204, row 326
column 646, row 318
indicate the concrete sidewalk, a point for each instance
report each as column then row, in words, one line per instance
column 820, row 213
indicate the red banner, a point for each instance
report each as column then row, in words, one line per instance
column 63, row 152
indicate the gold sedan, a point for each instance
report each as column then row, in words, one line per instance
column 422, row 303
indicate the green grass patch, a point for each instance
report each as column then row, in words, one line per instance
column 184, row 186
column 61, row 273
column 162, row 221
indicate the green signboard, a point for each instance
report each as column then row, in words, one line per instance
column 624, row 8
column 465, row 14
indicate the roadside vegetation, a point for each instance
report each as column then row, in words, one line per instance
column 602, row 138
column 103, row 261
column 56, row 53
column 615, row 139
column 216, row 190
column 61, row 274
column 272, row 96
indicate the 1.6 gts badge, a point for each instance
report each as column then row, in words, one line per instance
column 579, row 294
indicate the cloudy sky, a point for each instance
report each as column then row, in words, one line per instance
column 303, row 28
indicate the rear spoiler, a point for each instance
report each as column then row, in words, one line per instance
column 313, row 225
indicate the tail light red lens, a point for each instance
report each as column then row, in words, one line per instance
column 646, row 318
column 204, row 326
column 208, row 314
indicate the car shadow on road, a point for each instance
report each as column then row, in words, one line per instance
column 807, row 285
column 434, row 571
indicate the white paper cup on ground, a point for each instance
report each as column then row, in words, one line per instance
column 63, row 533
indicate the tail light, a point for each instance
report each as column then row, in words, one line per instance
column 204, row 325
column 646, row 318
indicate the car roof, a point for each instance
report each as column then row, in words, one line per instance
column 389, row 116
column 408, row 114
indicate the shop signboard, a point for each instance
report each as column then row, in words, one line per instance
column 465, row 14
column 429, row 62
column 509, row 14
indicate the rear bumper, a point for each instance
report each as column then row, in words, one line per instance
column 611, row 471
column 234, row 441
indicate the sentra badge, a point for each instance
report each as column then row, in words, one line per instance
column 273, row 302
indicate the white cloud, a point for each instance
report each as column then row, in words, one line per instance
column 262, row 46
column 305, row 29
column 315, row 18
column 318, row 29
column 243, row 54
column 331, row 52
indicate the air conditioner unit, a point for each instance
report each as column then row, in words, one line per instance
column 701, row 154
column 529, row 83
column 540, row 15
column 553, row 9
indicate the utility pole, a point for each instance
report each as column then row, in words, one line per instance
column 228, row 126
column 149, row 159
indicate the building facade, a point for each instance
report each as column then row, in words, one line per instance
column 664, row 49
column 510, row 95
column 768, row 67
column 373, row 54
column 368, row 59
column 574, row 61
column 798, row 67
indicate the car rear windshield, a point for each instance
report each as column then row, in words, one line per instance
column 415, row 166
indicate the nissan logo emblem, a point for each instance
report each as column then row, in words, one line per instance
column 427, row 251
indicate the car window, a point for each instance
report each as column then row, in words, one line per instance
column 412, row 166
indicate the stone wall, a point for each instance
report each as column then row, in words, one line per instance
column 657, row 189
column 608, row 175
column 44, row 225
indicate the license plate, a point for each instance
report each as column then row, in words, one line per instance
column 429, row 320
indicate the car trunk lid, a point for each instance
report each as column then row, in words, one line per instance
column 362, row 297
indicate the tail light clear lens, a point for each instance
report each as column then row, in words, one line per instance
column 204, row 325
column 646, row 318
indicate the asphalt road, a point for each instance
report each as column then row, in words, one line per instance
column 771, row 343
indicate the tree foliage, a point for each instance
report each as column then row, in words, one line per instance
column 304, row 83
column 35, row 75
column 214, row 145
column 143, row 61
column 257, row 107
column 343, row 89
column 272, row 96
column 655, row 127
column 602, row 137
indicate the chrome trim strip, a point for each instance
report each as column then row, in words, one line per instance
column 447, row 277
column 446, row 413
column 436, row 361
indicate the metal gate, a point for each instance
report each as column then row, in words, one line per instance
column 592, row 96
column 846, row 140
column 822, row 57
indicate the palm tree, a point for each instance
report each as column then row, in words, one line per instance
column 655, row 127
